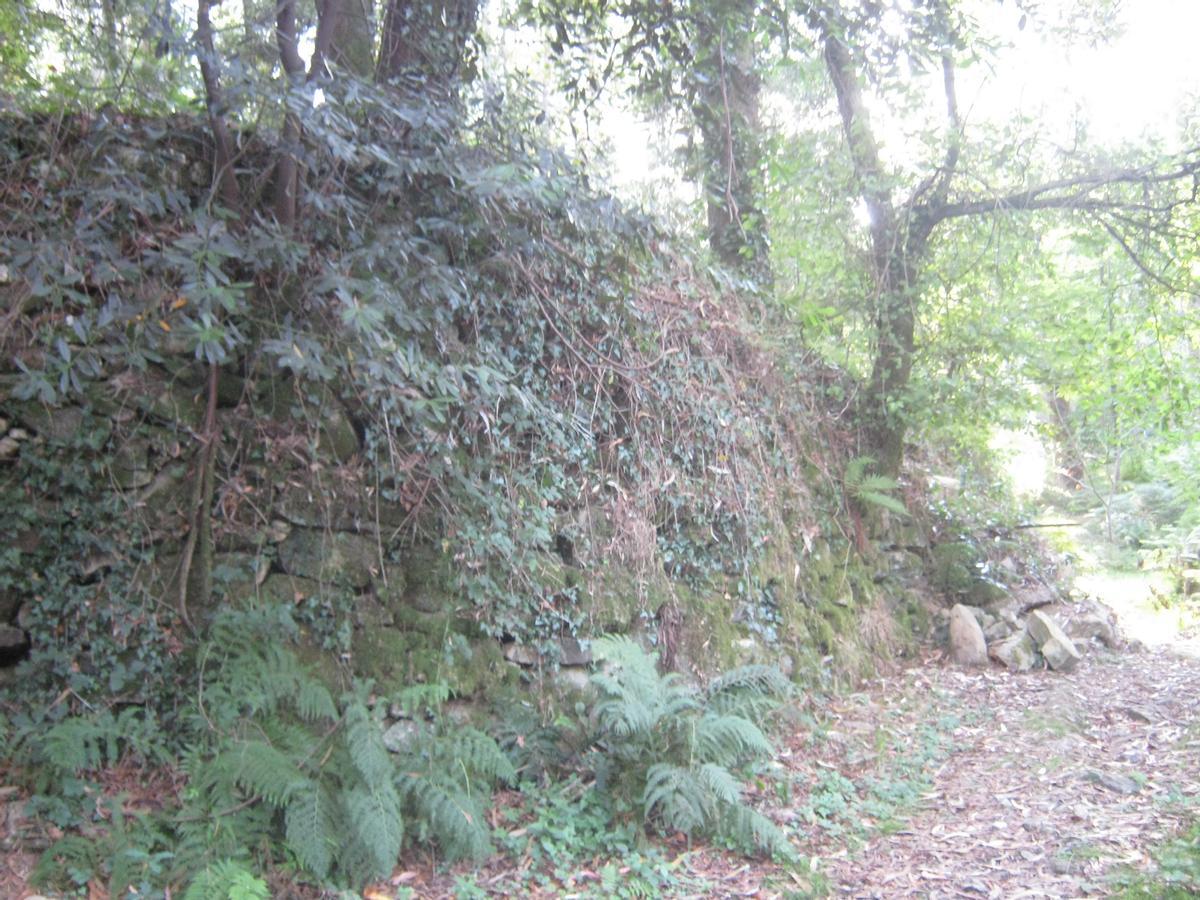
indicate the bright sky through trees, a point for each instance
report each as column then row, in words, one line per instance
column 1143, row 81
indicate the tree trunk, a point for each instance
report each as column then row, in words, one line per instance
column 224, row 176
column 345, row 37
column 426, row 40
column 727, row 116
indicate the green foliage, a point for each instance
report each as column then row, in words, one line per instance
column 274, row 762
column 73, row 550
column 1175, row 876
column 227, row 879
column 674, row 748
column 869, row 489
column 340, row 802
column 566, row 829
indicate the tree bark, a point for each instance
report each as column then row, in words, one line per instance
column 727, row 116
column 426, row 40
column 225, row 179
column 287, row 167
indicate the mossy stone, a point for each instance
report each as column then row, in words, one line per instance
column 330, row 556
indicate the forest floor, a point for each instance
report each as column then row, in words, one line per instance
column 931, row 781
column 935, row 781
column 942, row 782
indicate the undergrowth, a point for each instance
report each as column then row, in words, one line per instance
column 278, row 772
column 274, row 774
column 1176, row 873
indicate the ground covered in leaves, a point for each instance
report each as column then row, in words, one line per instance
column 940, row 782
column 1050, row 787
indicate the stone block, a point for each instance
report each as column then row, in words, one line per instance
column 967, row 645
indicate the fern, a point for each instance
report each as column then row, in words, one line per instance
column 227, row 879
column 71, row 860
column 267, row 772
column 676, row 797
column 443, row 787
column 728, row 739
column 675, row 746
column 309, row 829
column 365, row 742
column 376, row 825
column 313, row 701
column 447, row 816
column 871, row 489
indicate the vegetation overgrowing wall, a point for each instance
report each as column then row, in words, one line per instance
column 467, row 413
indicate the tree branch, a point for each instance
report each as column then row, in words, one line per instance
column 937, row 185
column 1079, row 193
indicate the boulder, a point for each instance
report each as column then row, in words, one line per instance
column 1093, row 625
column 279, row 588
column 1017, row 652
column 572, row 681
column 12, row 639
column 997, row 631
column 981, row 616
column 522, row 655
column 401, row 737
column 1060, row 652
column 967, row 645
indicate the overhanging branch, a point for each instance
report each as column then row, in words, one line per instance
column 1081, row 193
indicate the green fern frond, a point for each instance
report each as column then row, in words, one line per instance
column 227, row 880
column 71, row 860
column 885, row 501
column 719, row 783
column 625, row 653
column 751, row 831
column 364, row 740
column 877, row 483
column 625, row 716
column 309, row 829
column 470, row 751
column 676, row 798
column 856, row 468
column 266, row 772
column 313, row 701
column 418, row 699
column 448, row 816
column 765, row 680
column 752, row 692
column 871, row 489
column 76, row 744
column 728, row 739
column 373, row 813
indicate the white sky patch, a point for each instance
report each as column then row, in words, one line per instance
column 1143, row 83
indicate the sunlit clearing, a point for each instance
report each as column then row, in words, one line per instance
column 1023, row 460
column 862, row 215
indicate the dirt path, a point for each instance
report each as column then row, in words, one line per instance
column 1034, row 785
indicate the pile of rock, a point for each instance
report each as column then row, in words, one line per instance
column 1023, row 643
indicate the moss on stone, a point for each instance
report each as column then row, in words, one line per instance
column 423, row 648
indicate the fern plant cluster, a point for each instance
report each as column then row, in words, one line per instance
column 279, row 771
column 676, row 750
column 281, row 774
